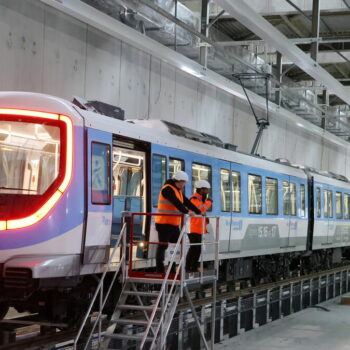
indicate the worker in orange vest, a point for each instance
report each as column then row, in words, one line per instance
column 198, row 226
column 171, row 201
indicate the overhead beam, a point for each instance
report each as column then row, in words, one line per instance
column 292, row 40
column 291, row 25
column 203, row 50
column 315, row 28
column 340, row 70
column 266, row 31
column 216, row 18
column 291, row 3
column 346, row 4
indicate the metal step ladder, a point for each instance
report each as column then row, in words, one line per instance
column 153, row 312
column 146, row 306
column 116, row 266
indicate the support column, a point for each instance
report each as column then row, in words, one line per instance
column 325, row 102
column 280, row 303
column 180, row 331
column 315, row 28
column 239, row 315
column 203, row 51
column 279, row 72
column 268, row 299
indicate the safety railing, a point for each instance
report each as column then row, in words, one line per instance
column 169, row 285
column 180, row 277
column 121, row 243
column 136, row 243
column 215, row 243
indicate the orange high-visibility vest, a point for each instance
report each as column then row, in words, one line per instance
column 199, row 225
column 166, row 207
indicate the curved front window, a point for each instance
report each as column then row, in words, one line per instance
column 35, row 165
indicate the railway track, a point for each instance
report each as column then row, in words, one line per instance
column 44, row 341
column 263, row 287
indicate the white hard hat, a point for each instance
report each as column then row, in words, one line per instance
column 202, row 184
column 180, row 176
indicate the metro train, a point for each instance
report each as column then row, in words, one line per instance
column 67, row 174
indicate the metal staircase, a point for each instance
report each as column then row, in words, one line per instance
column 154, row 311
column 147, row 304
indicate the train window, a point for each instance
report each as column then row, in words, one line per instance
column 200, row 172
column 330, row 201
column 236, row 191
column 271, row 196
column 346, row 206
column 318, row 202
column 128, row 168
column 254, row 194
column 328, row 204
column 158, row 176
column 175, row 165
column 293, row 199
column 302, row 201
column 286, row 198
column 100, row 173
column 289, row 198
column 225, row 190
column 339, row 205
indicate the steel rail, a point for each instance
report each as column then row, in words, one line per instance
column 259, row 288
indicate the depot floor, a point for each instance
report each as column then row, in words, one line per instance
column 326, row 328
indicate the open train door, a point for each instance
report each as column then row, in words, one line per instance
column 130, row 167
column 99, row 197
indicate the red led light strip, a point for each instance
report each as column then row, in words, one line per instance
column 49, row 204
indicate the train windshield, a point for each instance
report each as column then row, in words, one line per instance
column 29, row 165
column 29, row 157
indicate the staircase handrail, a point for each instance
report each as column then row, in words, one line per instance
column 121, row 238
column 162, row 290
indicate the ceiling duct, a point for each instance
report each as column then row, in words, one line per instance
column 146, row 20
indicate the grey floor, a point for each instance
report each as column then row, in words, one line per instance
column 311, row 328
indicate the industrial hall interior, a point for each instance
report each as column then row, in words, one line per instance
column 174, row 174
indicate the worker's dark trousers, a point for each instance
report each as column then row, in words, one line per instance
column 194, row 252
column 167, row 234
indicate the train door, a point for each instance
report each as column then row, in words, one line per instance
column 223, row 200
column 329, row 212
column 129, row 185
column 99, row 203
column 294, row 204
column 286, row 210
column 238, row 207
column 320, row 231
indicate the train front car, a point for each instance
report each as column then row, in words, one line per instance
column 41, row 200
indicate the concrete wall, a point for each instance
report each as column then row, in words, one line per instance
column 46, row 51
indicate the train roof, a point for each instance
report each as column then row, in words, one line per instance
column 39, row 102
column 167, row 134
column 328, row 179
column 163, row 137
